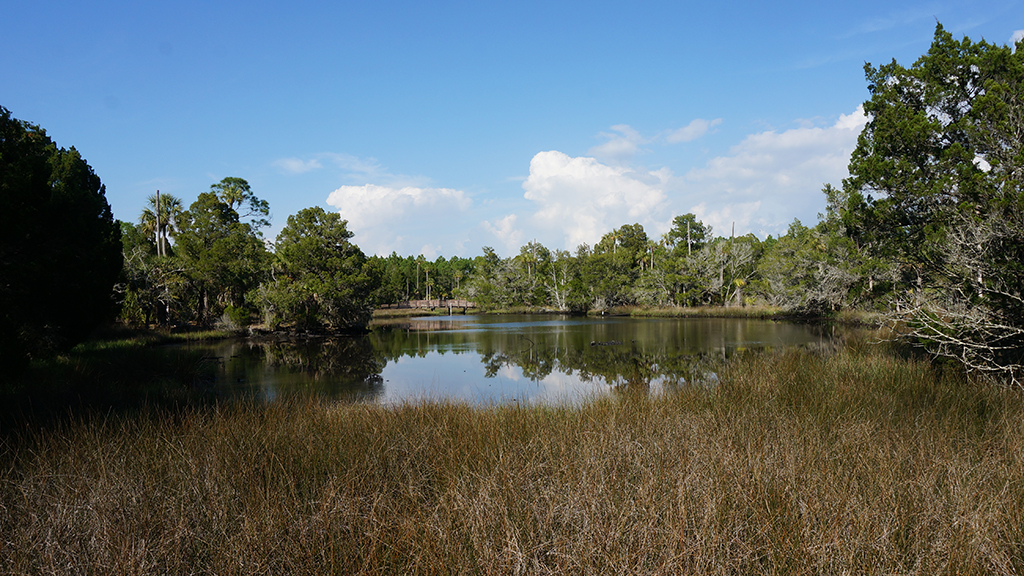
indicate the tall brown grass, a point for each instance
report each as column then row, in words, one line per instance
column 858, row 463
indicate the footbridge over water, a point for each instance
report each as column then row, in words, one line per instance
column 450, row 304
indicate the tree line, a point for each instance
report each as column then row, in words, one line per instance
column 811, row 270
column 219, row 268
column 928, row 228
column 210, row 264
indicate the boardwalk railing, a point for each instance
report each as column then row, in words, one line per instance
column 431, row 304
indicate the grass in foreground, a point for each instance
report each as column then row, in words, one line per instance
column 795, row 464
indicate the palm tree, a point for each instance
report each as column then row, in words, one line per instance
column 160, row 217
column 528, row 255
column 232, row 191
column 236, row 193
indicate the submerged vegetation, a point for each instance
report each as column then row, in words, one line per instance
column 860, row 462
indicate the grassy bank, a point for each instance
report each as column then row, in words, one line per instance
column 847, row 317
column 796, row 464
column 384, row 313
column 129, row 337
column 119, row 368
column 757, row 312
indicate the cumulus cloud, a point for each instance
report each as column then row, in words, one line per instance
column 725, row 217
column 582, row 198
column 378, row 214
column 430, row 251
column 505, row 231
column 620, row 147
column 761, row 184
column 771, row 177
column 1016, row 37
column 693, row 130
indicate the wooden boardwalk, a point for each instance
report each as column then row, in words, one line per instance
column 432, row 304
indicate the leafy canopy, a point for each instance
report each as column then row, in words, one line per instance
column 937, row 186
column 60, row 247
column 322, row 279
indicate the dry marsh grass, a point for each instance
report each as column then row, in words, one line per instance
column 858, row 463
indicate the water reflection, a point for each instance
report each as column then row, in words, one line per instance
column 347, row 368
column 494, row 359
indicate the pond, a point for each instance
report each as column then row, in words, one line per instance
column 501, row 359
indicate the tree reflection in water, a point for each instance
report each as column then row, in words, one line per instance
column 622, row 366
column 341, row 367
column 518, row 359
column 623, row 353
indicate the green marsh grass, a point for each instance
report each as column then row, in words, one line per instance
column 385, row 313
column 862, row 462
column 122, row 371
column 755, row 312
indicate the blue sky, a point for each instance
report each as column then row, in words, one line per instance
column 443, row 127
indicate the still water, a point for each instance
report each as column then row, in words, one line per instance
column 500, row 359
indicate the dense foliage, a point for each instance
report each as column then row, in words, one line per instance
column 320, row 277
column 937, row 186
column 811, row 270
column 60, row 249
column 315, row 277
column 220, row 271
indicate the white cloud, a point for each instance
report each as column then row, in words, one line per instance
column 853, row 121
column 354, row 167
column 378, row 214
column 693, row 130
column 1016, row 37
column 620, row 147
column 430, row 252
column 349, row 163
column 583, row 199
column 771, row 177
column 761, row 184
column 504, row 229
column 624, row 142
column 723, row 219
column 297, row 165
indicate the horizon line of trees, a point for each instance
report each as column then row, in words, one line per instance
column 211, row 264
